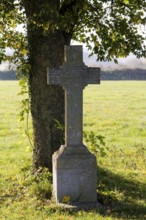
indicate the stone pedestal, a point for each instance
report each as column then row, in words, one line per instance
column 74, row 176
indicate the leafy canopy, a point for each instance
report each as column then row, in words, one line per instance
column 109, row 28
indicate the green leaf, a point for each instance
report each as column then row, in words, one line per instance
column 126, row 2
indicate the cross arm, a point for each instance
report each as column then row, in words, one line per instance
column 54, row 76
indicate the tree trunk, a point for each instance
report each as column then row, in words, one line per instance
column 47, row 101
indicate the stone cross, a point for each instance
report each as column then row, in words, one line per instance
column 73, row 76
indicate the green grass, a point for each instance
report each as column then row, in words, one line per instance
column 114, row 110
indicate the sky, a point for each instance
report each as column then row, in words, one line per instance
column 131, row 62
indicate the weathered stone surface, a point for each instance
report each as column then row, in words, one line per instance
column 74, row 167
column 75, row 178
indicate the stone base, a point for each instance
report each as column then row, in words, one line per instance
column 74, row 176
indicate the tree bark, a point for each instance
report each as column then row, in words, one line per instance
column 47, row 101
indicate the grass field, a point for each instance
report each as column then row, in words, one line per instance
column 115, row 111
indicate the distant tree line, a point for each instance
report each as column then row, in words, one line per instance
column 124, row 74
column 8, row 75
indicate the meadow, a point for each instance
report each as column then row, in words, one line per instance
column 114, row 130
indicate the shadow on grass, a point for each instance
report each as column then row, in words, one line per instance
column 121, row 197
